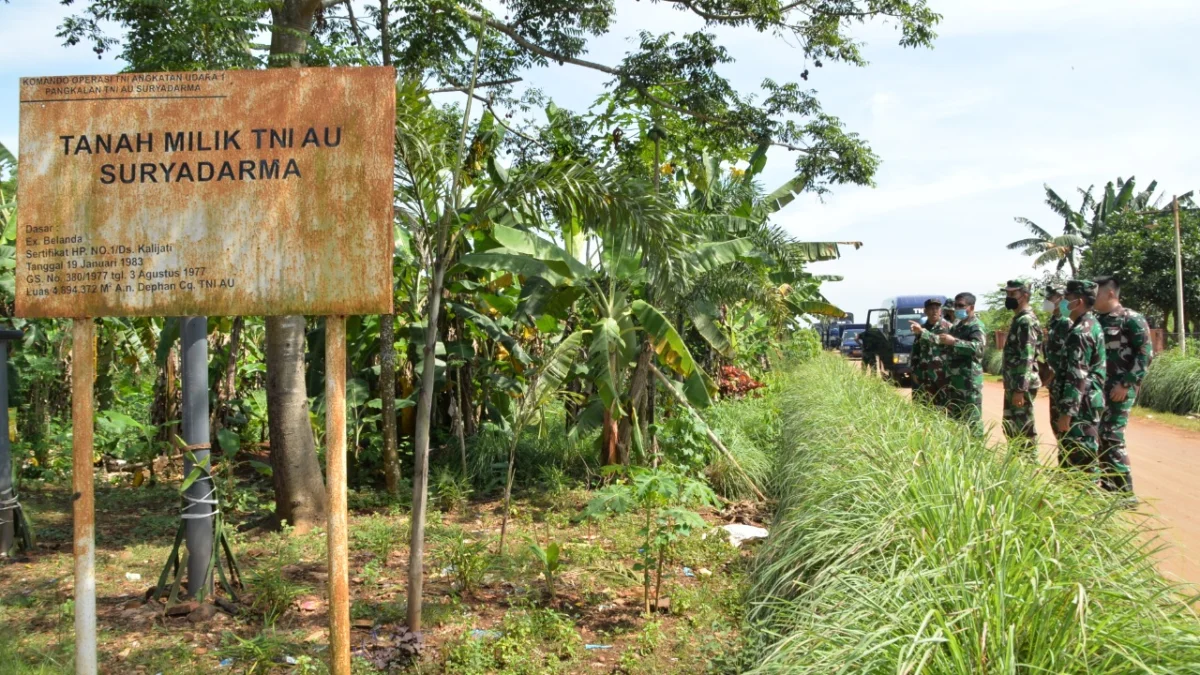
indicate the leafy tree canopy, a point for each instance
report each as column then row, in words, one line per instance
column 677, row 76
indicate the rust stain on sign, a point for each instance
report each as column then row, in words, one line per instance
column 206, row 193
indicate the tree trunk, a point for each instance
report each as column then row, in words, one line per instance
column 292, row 21
column 408, row 416
column 299, row 486
column 416, row 556
column 387, row 399
column 608, row 440
column 637, row 400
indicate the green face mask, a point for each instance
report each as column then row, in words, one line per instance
column 1064, row 307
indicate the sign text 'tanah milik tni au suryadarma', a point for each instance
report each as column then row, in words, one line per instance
column 206, row 193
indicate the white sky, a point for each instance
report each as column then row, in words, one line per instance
column 1014, row 93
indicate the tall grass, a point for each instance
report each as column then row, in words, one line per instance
column 902, row 545
column 1172, row 384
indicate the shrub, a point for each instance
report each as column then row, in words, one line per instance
column 903, row 544
column 993, row 361
column 1173, row 384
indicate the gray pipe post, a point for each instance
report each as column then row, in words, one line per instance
column 8, row 493
column 200, row 497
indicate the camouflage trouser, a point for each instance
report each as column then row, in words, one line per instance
column 1080, row 446
column 967, row 406
column 1114, row 460
column 1019, row 422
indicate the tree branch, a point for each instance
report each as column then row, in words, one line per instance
column 704, row 14
column 462, row 88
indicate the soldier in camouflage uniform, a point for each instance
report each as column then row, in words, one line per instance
column 963, row 349
column 1079, row 380
column 1127, row 342
column 1056, row 338
column 1021, row 379
column 927, row 357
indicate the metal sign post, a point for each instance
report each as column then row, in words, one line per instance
column 10, row 508
column 83, row 379
column 200, row 496
column 335, row 482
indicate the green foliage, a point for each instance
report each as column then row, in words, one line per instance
column 463, row 558
column 1139, row 249
column 172, row 34
column 661, row 498
column 272, row 591
column 380, row 535
column 1172, row 384
column 551, row 561
column 993, row 361
column 903, row 541
column 450, row 490
column 531, row 642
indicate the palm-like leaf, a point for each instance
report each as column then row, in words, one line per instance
column 604, row 353
column 556, row 370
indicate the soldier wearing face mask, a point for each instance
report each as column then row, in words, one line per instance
column 1056, row 338
column 1127, row 341
column 1079, row 380
column 1021, row 379
column 963, row 349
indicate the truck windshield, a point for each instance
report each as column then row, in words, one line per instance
column 850, row 336
column 902, row 321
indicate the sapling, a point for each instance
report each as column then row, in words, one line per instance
column 662, row 498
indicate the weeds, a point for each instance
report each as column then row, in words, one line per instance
column 450, row 490
column 379, row 535
column 463, row 559
column 272, row 591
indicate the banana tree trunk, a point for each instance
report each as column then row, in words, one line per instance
column 637, row 400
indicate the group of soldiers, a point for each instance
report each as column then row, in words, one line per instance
column 1091, row 358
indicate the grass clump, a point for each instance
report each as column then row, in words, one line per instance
column 1172, row 384
column 993, row 361
column 903, row 545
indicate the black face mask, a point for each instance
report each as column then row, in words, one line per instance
column 1010, row 303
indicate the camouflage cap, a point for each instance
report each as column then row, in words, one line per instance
column 1081, row 287
column 934, row 302
column 1053, row 290
column 1017, row 285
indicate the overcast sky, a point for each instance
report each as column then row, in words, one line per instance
column 1014, row 94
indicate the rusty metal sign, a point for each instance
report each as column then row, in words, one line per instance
column 206, row 193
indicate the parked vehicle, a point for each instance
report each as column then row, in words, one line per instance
column 851, row 346
column 894, row 320
column 833, row 331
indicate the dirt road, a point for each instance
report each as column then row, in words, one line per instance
column 1166, row 476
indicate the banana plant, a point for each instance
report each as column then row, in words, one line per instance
column 545, row 384
column 608, row 282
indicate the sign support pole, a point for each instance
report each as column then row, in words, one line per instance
column 200, row 497
column 83, row 379
column 1180, row 323
column 335, row 481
